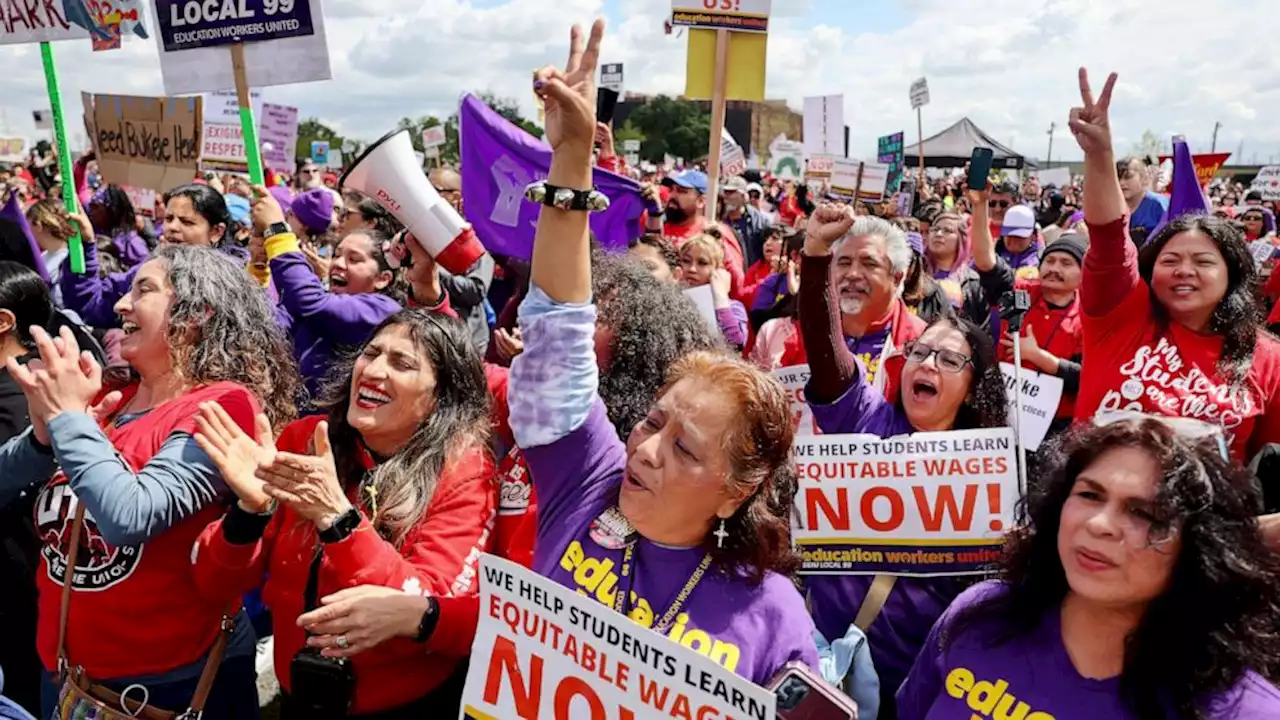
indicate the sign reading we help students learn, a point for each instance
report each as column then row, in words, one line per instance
column 921, row 505
column 147, row 142
column 544, row 652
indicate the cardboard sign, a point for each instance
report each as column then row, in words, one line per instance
column 543, row 652
column 1039, row 396
column 147, row 142
column 919, row 93
column 433, row 137
column 290, row 59
column 1268, row 182
column 739, row 15
column 192, row 24
column 32, row 22
column 824, row 125
column 320, row 152
column 921, row 505
column 794, row 378
column 611, row 77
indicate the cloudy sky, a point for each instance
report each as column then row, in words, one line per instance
column 1008, row 64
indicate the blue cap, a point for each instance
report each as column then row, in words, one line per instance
column 239, row 208
column 692, row 179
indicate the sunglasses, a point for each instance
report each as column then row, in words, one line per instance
column 949, row 360
column 1001, row 204
column 1252, row 218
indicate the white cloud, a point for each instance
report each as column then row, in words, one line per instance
column 1010, row 65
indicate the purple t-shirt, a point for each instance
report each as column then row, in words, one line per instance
column 751, row 629
column 900, row 629
column 1032, row 678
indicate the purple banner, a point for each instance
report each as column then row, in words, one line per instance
column 499, row 160
column 190, row 24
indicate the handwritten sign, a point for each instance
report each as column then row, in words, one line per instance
column 544, row 652
column 147, row 142
column 794, row 378
column 31, row 22
column 1038, row 398
column 921, row 505
column 191, row 24
column 1268, row 182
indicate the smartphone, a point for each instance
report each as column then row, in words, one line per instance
column 803, row 695
column 980, row 168
column 606, row 101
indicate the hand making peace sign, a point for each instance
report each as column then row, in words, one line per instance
column 570, row 94
column 1091, row 124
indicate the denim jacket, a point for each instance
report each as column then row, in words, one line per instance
column 846, row 663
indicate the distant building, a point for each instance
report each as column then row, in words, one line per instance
column 753, row 124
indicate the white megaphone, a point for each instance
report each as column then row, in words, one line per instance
column 388, row 173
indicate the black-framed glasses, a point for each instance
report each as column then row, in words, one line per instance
column 949, row 360
column 999, row 204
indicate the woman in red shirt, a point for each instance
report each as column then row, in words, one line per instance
column 140, row 489
column 1173, row 331
column 394, row 488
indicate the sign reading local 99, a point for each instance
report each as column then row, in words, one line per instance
column 190, row 24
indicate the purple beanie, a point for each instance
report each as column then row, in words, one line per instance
column 314, row 208
column 283, row 196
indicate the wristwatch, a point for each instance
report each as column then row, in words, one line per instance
column 276, row 228
column 427, row 624
column 342, row 527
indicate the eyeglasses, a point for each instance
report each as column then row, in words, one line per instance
column 999, row 204
column 949, row 360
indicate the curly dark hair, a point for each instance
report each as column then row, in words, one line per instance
column 651, row 326
column 379, row 243
column 662, row 245
column 1217, row 618
column 987, row 405
column 118, row 214
column 1238, row 317
column 221, row 328
column 459, row 421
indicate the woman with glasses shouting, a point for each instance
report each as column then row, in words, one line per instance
column 1139, row 587
column 950, row 380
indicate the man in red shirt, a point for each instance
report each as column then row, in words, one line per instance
column 685, row 216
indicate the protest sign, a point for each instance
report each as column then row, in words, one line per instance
column 320, row 152
column 303, row 58
column 143, row 199
column 921, row 505
column 919, row 94
column 1268, row 182
column 794, row 378
column 222, row 149
column 335, row 160
column 1207, row 165
column 875, row 182
column 543, row 651
column 611, row 77
column 1039, row 396
column 824, row 125
column 745, row 72
column 1058, row 177
column 13, row 149
column 822, row 165
column 844, row 178
column 1262, row 251
column 278, row 133
column 737, row 15
column 433, row 137
column 191, row 24
column 631, row 146
column 733, row 162
column 31, row 22
column 702, row 298
column 786, row 158
column 890, row 153
column 43, row 119
column 499, row 160
column 223, row 107
column 866, row 180
column 148, row 142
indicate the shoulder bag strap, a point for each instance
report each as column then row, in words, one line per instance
column 873, row 603
column 68, row 577
column 210, row 672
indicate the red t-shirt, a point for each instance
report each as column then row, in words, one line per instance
column 1058, row 330
column 1132, row 363
column 134, row 610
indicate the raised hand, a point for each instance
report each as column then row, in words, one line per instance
column 237, row 455
column 569, row 95
column 828, row 223
column 308, row 483
column 1091, row 123
column 266, row 211
column 63, row 379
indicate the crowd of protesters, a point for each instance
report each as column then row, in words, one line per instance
column 265, row 411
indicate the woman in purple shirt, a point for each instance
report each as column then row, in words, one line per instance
column 112, row 215
column 684, row 528
column 1140, row 587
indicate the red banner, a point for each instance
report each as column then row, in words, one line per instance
column 1207, row 165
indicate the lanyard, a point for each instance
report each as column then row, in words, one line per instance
column 622, row 599
column 1062, row 318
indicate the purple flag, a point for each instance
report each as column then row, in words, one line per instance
column 500, row 159
column 1186, row 197
column 17, row 242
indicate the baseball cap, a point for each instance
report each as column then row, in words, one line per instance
column 695, row 179
column 736, row 184
column 1019, row 221
column 755, row 187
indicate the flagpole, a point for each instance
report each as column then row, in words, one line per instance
column 75, row 243
column 252, row 153
column 920, row 142
column 717, row 121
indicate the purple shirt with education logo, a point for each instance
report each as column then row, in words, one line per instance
column 900, row 629
column 1032, row 677
column 576, row 461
